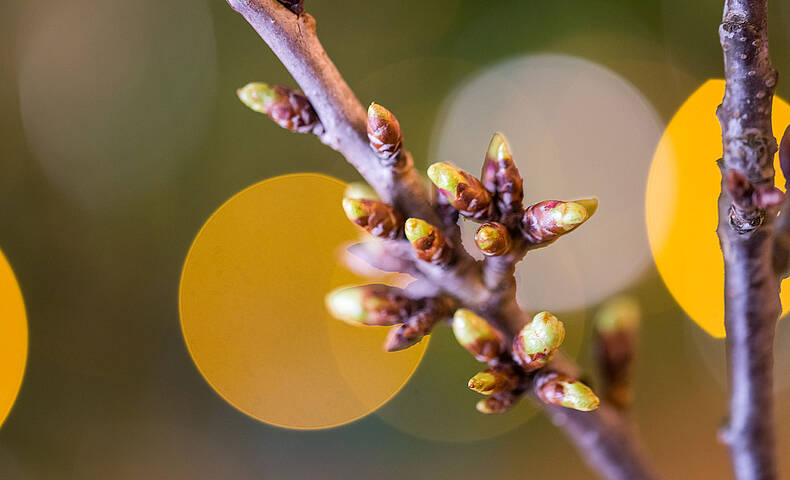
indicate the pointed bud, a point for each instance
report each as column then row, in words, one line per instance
column 463, row 190
column 556, row 389
column 289, row 108
column 373, row 304
column 427, row 240
column 538, row 340
column 296, row 6
column 498, row 379
column 477, row 336
column 616, row 326
column 546, row 221
column 499, row 403
column 360, row 191
column 501, row 176
column 617, row 315
column 376, row 218
column 384, row 133
column 493, row 239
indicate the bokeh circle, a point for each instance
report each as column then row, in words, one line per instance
column 13, row 338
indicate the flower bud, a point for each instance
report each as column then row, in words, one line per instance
column 498, row 379
column 373, row 304
column 616, row 326
column 493, row 239
column 556, row 389
column 376, row 218
column 546, row 221
column 477, row 336
column 500, row 175
column 499, row 403
column 384, row 133
column 360, row 191
column 537, row 341
column 427, row 240
column 463, row 190
column 289, row 108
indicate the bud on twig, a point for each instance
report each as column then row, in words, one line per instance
column 499, row 403
column 475, row 334
column 498, row 379
column 493, row 239
column 384, row 134
column 616, row 329
column 296, row 6
column 500, row 175
column 376, row 218
column 373, row 304
column 360, row 191
column 555, row 389
column 546, row 221
column 290, row 109
column 464, row 191
column 428, row 241
column 537, row 341
column 419, row 324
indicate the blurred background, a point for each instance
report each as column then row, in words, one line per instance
column 120, row 135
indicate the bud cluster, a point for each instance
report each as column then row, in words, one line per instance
column 289, row 108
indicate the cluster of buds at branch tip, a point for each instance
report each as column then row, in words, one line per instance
column 384, row 134
column 360, row 191
column 428, row 241
column 296, row 6
column 546, row 221
column 500, row 175
column 376, row 218
column 288, row 108
column 555, row 389
column 477, row 336
column 616, row 332
column 538, row 341
column 499, row 403
column 497, row 379
column 373, row 304
column 493, row 239
column 465, row 192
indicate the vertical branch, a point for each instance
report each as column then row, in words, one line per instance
column 746, row 235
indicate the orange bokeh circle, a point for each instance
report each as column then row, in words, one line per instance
column 13, row 338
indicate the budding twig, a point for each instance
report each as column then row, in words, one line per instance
column 290, row 109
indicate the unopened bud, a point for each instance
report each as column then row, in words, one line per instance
column 462, row 190
column 616, row 325
column 427, row 240
column 500, row 175
column 538, row 340
column 376, row 218
column 499, row 403
column 556, row 389
column 493, row 239
column 384, row 133
column 360, row 191
column 373, row 304
column 477, row 336
column 502, row 378
column 546, row 221
column 289, row 108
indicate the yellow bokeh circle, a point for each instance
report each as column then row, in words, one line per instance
column 681, row 209
column 253, row 315
column 13, row 338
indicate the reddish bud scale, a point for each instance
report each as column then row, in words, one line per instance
column 544, row 222
column 471, row 198
column 494, row 380
column 557, row 389
column 501, row 176
column 384, row 134
column 418, row 325
column 499, row 403
column 296, row 6
column 614, row 352
column 376, row 218
column 292, row 111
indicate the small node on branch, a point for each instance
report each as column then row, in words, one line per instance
column 428, row 241
column 360, row 191
column 289, row 108
column 462, row 190
column 501, row 177
column 616, row 335
column 376, row 218
column 493, row 239
column 296, row 6
column 538, row 341
column 546, row 221
column 384, row 134
column 373, row 304
column 499, row 403
column 555, row 389
column 476, row 335
column 497, row 379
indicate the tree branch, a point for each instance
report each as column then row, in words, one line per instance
column 746, row 229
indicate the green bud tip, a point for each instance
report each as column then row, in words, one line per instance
column 544, row 334
column 417, row 229
column 589, row 204
column 257, row 96
column 492, row 239
column 568, row 215
column 445, row 176
column 498, row 147
column 354, row 208
column 360, row 191
column 377, row 111
column 483, row 382
column 621, row 313
column 346, row 303
column 469, row 327
column 578, row 396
